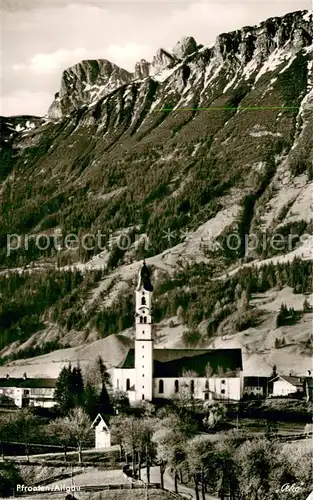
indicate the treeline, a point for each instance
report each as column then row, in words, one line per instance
column 28, row 297
column 225, row 464
column 202, row 297
column 147, row 205
column 29, row 301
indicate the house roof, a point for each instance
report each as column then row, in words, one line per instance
column 99, row 418
column 28, row 383
column 173, row 362
column 255, row 381
column 293, row 380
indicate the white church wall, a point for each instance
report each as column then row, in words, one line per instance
column 124, row 378
column 226, row 387
column 219, row 387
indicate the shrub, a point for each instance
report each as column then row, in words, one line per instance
column 191, row 338
column 248, row 319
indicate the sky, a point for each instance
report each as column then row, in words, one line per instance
column 42, row 38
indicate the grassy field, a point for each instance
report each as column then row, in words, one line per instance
column 258, row 426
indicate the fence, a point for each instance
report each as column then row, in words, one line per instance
column 179, row 496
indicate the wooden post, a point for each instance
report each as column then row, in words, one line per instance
column 175, row 481
column 196, row 486
column 162, row 470
column 203, row 485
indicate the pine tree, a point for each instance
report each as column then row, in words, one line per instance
column 91, row 400
column 180, row 313
column 63, row 394
column 279, row 283
column 238, row 291
column 77, row 386
column 306, row 306
column 244, row 301
column 104, row 406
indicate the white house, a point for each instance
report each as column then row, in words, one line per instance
column 29, row 391
column 102, row 432
column 148, row 373
column 283, row 385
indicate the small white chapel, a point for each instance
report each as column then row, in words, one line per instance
column 148, row 373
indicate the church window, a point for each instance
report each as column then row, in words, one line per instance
column 222, row 381
column 176, row 384
column 143, row 346
column 127, row 384
column 143, row 374
column 192, row 386
column 143, row 331
column 143, row 396
column 206, row 396
column 143, row 301
column 143, row 386
column 117, row 384
column 161, row 387
column 145, row 319
column 223, row 391
column 206, row 384
column 140, row 319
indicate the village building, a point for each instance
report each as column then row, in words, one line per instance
column 102, row 432
column 286, row 385
column 148, row 373
column 29, row 391
column 255, row 386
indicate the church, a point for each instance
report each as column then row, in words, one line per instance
column 147, row 373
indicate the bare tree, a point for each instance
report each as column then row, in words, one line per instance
column 77, row 426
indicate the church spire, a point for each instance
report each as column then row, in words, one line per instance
column 144, row 278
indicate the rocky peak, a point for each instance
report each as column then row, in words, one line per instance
column 89, row 81
column 85, row 82
column 142, row 69
column 293, row 31
column 185, row 46
column 162, row 60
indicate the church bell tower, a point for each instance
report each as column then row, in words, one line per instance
column 144, row 336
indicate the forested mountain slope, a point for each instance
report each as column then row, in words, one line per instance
column 191, row 156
